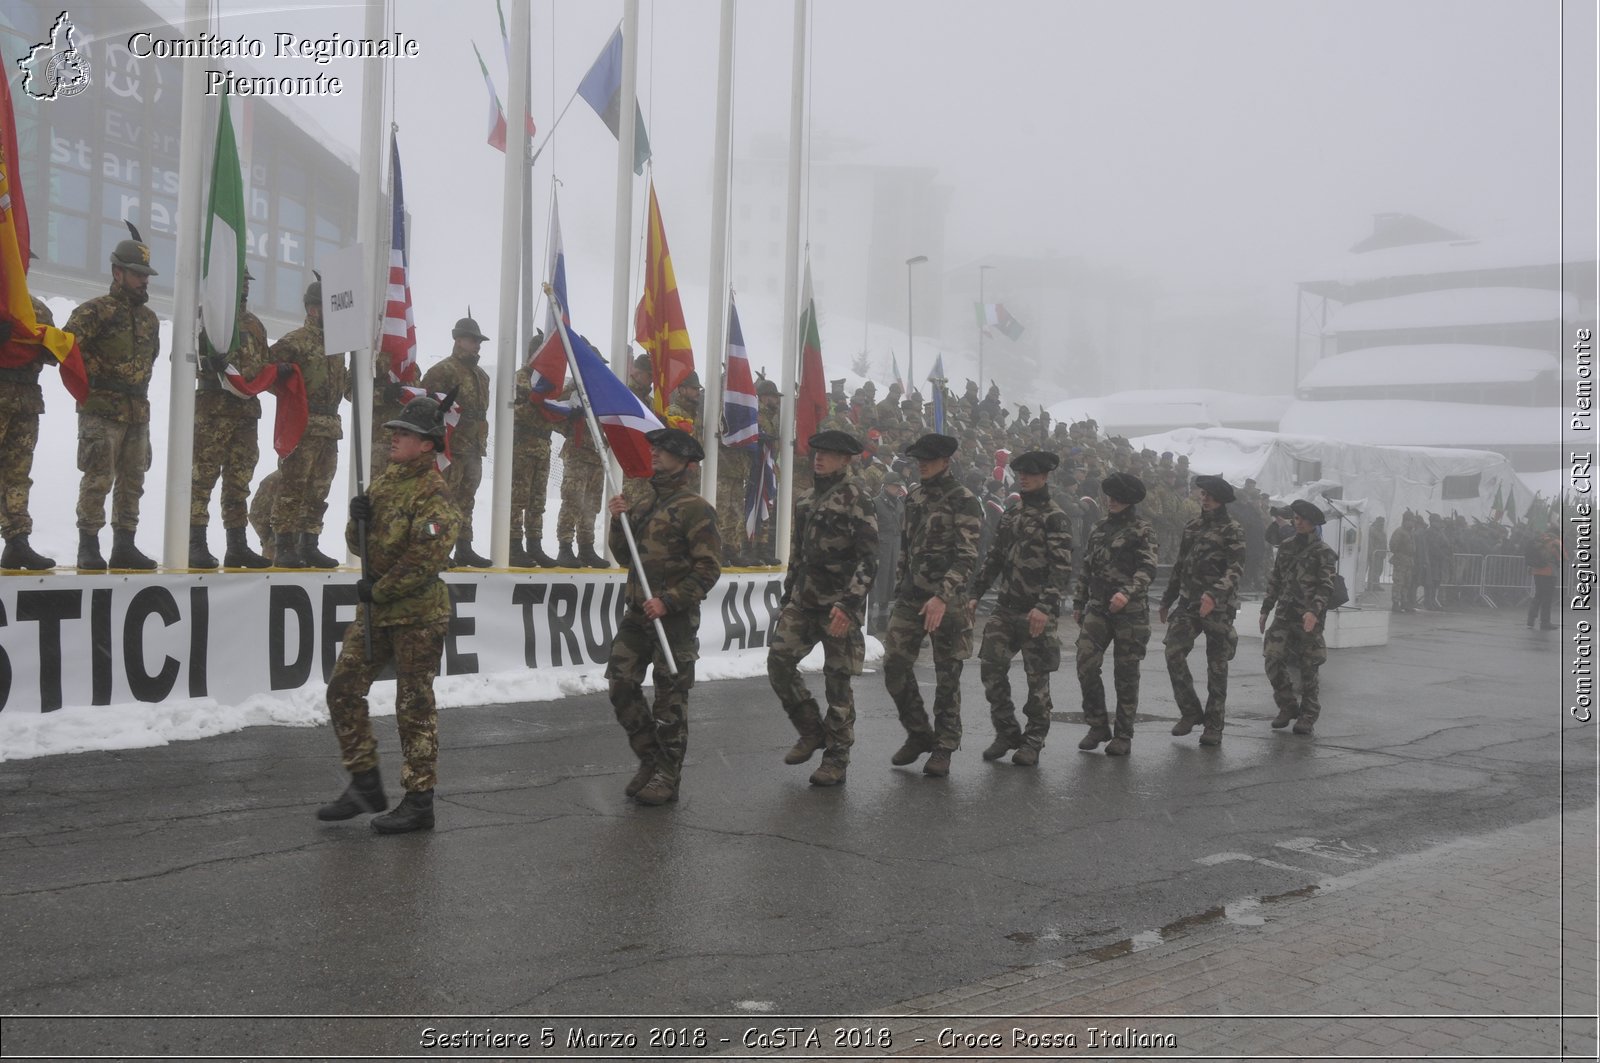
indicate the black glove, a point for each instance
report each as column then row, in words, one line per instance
column 284, row 370
column 394, row 394
column 364, row 590
column 361, row 509
column 215, row 362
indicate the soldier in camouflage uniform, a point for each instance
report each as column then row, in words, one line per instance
column 21, row 404
column 225, row 443
column 530, row 470
column 676, row 532
column 1403, row 556
column 461, row 376
column 582, row 483
column 1202, row 597
column 938, row 552
column 684, row 412
column 1110, row 606
column 411, row 524
column 733, row 476
column 771, row 401
column 388, row 399
column 1031, row 563
column 262, row 503
column 306, row 475
column 120, row 339
column 1301, row 586
column 832, row 563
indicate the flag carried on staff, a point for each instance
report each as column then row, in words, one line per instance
column 996, row 317
column 937, row 379
column 811, row 395
column 399, row 329
column 740, row 407
column 658, row 322
column 601, row 88
column 21, row 334
column 547, row 368
column 621, row 416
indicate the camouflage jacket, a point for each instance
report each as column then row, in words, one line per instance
column 1402, row 547
column 327, row 379
column 676, row 413
column 679, row 547
column 24, row 380
column 1302, row 577
column 833, row 558
column 413, row 530
column 938, row 542
column 120, row 340
column 1030, row 559
column 249, row 357
column 733, row 470
column 471, row 385
column 1210, row 561
column 1120, row 556
column 527, row 419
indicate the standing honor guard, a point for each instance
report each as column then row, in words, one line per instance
column 460, row 374
column 306, row 475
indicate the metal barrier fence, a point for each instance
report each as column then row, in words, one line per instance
column 1507, row 580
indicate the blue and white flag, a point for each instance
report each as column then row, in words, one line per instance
column 740, row 407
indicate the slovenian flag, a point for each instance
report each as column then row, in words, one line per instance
column 740, row 407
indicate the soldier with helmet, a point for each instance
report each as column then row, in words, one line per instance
column 685, row 412
column 411, row 525
column 306, row 475
column 1301, row 590
column 676, row 533
column 225, row 443
column 461, row 374
column 21, row 404
column 1111, row 607
column 1202, row 597
column 120, row 339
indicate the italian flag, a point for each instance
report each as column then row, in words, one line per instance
column 497, row 113
column 222, row 276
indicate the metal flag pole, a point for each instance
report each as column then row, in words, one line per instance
column 605, row 465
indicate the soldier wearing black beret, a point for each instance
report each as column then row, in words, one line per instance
column 1301, row 588
column 1202, row 597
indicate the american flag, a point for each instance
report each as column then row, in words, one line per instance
column 399, row 330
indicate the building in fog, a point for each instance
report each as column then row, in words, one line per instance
column 1423, row 337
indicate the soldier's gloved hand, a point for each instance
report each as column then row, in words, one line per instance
column 285, row 369
column 361, row 509
column 364, row 590
column 394, row 394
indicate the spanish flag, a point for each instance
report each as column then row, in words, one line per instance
column 658, row 322
column 25, row 340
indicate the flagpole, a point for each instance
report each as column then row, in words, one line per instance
column 717, row 311
column 790, row 373
column 185, row 303
column 622, row 241
column 605, row 466
column 370, row 217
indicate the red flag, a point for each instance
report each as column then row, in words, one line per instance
column 811, row 397
column 658, row 322
column 289, row 423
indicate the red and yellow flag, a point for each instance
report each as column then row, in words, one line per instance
column 658, row 322
column 27, row 340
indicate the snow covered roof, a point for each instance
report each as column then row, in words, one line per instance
column 1149, row 408
column 1452, row 256
column 1401, row 422
column 1430, row 363
column 1453, row 306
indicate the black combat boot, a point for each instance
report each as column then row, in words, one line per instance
column 199, row 555
column 20, row 557
column 565, row 558
column 286, row 551
column 518, row 557
column 466, row 557
column 126, row 555
column 364, row 794
column 537, row 555
column 89, row 559
column 239, row 554
column 415, row 812
column 312, row 555
column 587, row 556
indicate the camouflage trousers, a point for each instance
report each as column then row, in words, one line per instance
column 1005, row 636
column 582, row 481
column 305, row 477
column 1405, row 586
column 730, row 517
column 530, row 479
column 113, row 457
column 952, row 645
column 1292, row 657
column 262, row 505
column 797, row 631
column 19, row 438
column 223, row 446
column 415, row 650
column 1130, row 631
column 1222, row 642
column 657, row 733
column 462, row 477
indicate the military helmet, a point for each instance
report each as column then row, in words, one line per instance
column 423, row 415
column 768, row 387
column 313, row 296
column 692, row 381
column 466, row 328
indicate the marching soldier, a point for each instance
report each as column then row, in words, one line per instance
column 1301, row 586
column 461, row 374
column 119, row 337
column 307, row 473
column 225, row 444
column 832, row 563
column 676, row 532
column 411, row 524
column 530, row 470
column 1031, row 563
column 1202, row 597
column 938, row 551
column 1110, row 606
column 21, row 404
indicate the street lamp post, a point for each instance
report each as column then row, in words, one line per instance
column 911, row 360
column 983, row 308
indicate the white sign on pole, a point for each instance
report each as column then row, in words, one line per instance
column 346, row 304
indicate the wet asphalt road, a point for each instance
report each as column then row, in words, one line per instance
column 193, row 878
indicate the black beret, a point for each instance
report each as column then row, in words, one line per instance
column 1035, row 462
column 1123, row 487
column 1307, row 512
column 1216, row 487
column 933, row 446
column 836, row 441
column 676, row 441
